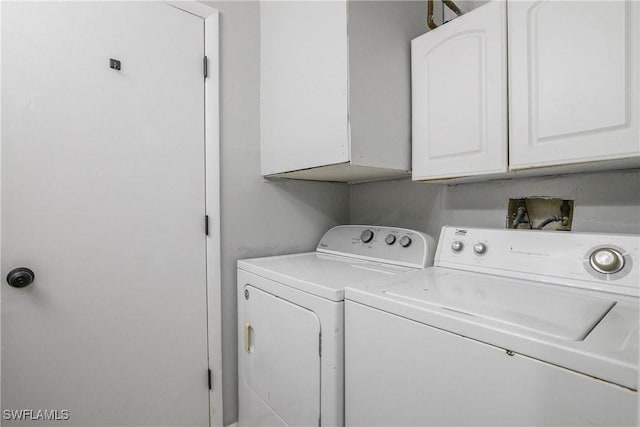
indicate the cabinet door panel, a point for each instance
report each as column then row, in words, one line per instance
column 573, row 82
column 459, row 96
column 303, row 72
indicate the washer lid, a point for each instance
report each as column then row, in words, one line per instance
column 320, row 274
column 568, row 316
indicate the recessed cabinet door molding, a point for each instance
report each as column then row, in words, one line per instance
column 460, row 96
column 573, row 82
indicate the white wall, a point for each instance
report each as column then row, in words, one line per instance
column 604, row 202
column 258, row 218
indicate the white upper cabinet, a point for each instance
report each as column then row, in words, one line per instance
column 335, row 88
column 459, row 85
column 573, row 90
column 573, row 82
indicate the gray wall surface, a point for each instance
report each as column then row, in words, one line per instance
column 257, row 218
column 604, row 202
column 260, row 219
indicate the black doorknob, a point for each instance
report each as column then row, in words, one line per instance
column 20, row 277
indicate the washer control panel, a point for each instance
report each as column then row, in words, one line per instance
column 385, row 244
column 609, row 261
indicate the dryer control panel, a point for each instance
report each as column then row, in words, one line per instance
column 607, row 262
column 390, row 245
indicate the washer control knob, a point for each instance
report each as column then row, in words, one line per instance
column 606, row 260
column 390, row 239
column 405, row 241
column 480, row 248
column 366, row 236
column 457, row 246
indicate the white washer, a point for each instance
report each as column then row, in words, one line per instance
column 508, row 327
column 290, row 321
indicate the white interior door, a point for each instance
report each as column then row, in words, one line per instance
column 103, row 198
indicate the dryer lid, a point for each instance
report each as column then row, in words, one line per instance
column 320, row 274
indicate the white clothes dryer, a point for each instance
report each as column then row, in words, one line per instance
column 290, row 321
column 509, row 327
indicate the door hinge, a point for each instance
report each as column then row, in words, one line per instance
column 205, row 67
column 209, row 378
column 206, row 225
